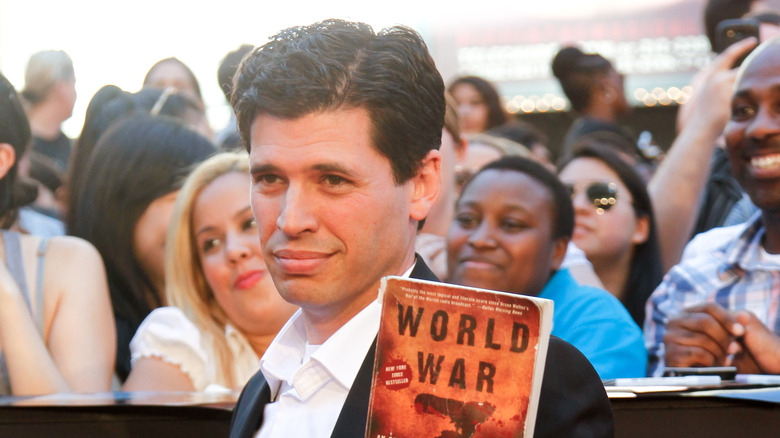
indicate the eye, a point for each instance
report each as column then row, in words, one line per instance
column 267, row 179
column 467, row 220
column 742, row 112
column 513, row 225
column 334, row 180
column 249, row 225
column 209, row 245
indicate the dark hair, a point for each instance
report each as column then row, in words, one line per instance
column 168, row 103
column 562, row 209
column 646, row 271
column 578, row 74
column 721, row 10
column 175, row 60
column 520, row 132
column 136, row 161
column 14, row 130
column 229, row 66
column 109, row 105
column 336, row 64
column 496, row 114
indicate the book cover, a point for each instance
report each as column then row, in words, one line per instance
column 454, row 361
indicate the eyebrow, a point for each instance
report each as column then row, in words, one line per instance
column 263, row 168
column 332, row 167
column 335, row 168
column 747, row 92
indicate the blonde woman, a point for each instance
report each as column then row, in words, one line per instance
column 223, row 310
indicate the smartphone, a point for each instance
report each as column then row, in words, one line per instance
column 725, row 373
column 729, row 32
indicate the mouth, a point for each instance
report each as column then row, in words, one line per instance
column 765, row 166
column 295, row 262
column 479, row 263
column 248, row 279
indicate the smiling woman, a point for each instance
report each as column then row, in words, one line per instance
column 512, row 224
column 224, row 309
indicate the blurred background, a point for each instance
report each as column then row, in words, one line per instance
column 656, row 44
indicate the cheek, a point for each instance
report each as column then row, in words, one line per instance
column 266, row 212
column 216, row 275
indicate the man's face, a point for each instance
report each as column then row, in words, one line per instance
column 331, row 218
column 753, row 132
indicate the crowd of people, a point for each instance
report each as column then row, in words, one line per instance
column 153, row 254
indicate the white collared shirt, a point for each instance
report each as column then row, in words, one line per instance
column 309, row 384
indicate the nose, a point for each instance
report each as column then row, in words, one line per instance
column 237, row 247
column 581, row 203
column 297, row 214
column 762, row 125
column 483, row 236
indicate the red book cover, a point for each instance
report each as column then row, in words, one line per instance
column 454, row 361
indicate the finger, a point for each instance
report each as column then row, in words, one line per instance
column 689, row 356
column 703, row 329
column 726, row 59
column 682, row 338
column 760, row 342
column 726, row 319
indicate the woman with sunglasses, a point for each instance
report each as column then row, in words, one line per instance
column 513, row 222
column 614, row 223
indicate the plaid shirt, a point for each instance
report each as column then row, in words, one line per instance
column 731, row 273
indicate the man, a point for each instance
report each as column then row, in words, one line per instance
column 343, row 127
column 50, row 91
column 733, row 283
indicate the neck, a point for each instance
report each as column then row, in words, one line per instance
column 260, row 343
column 440, row 217
column 600, row 112
column 771, row 232
column 45, row 121
column 614, row 273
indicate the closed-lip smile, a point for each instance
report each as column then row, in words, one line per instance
column 300, row 262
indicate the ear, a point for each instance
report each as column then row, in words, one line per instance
column 426, row 185
column 7, row 158
column 559, row 252
column 642, row 231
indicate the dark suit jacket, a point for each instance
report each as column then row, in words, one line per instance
column 573, row 402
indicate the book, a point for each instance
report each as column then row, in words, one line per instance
column 454, row 361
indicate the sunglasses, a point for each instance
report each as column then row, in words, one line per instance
column 602, row 195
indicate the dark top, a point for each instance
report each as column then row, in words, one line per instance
column 573, row 401
column 721, row 193
column 57, row 149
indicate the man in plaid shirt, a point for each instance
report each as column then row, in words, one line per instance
column 720, row 306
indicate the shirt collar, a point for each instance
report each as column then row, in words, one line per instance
column 341, row 355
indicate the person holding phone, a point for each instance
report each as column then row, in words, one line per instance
column 720, row 307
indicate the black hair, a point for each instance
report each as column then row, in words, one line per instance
column 646, row 271
column 14, row 130
column 520, row 132
column 562, row 208
column 495, row 115
column 178, row 61
column 335, row 64
column 136, row 161
column 109, row 105
column 578, row 74
column 229, row 66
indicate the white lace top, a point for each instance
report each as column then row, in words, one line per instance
column 169, row 335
